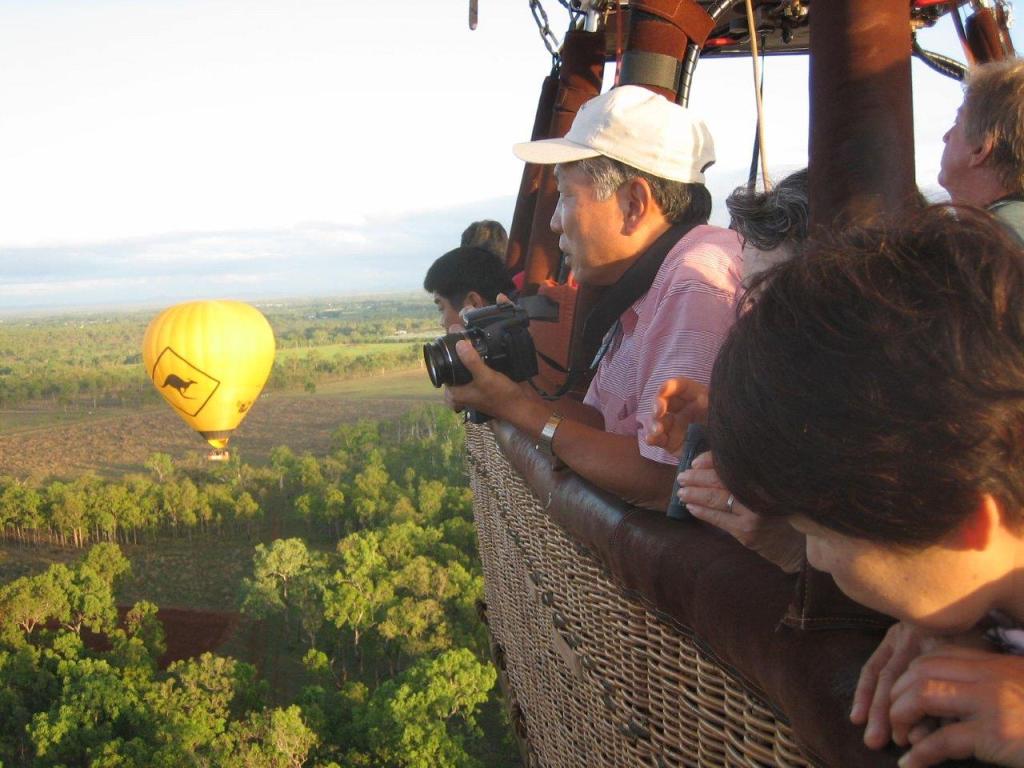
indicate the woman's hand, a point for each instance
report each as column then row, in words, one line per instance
column 679, row 403
column 701, row 490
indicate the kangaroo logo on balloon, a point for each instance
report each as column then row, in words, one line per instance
column 178, row 384
column 183, row 384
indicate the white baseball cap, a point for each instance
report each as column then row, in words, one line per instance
column 637, row 127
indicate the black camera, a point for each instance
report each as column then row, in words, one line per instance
column 500, row 336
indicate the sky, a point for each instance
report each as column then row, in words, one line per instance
column 156, row 151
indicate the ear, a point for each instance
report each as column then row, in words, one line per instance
column 474, row 300
column 636, row 202
column 979, row 530
column 980, row 154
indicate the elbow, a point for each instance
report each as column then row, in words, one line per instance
column 655, row 488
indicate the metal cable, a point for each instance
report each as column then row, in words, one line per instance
column 693, row 52
column 944, row 65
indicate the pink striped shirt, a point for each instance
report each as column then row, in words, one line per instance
column 675, row 329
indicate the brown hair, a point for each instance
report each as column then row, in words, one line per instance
column 875, row 383
column 487, row 234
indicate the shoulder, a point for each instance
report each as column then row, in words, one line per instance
column 706, row 255
column 1011, row 213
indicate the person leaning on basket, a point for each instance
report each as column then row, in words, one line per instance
column 872, row 393
column 772, row 226
column 630, row 174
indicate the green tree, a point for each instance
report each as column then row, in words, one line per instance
column 287, row 578
column 424, row 718
column 27, row 602
column 357, row 594
column 278, row 738
column 161, row 465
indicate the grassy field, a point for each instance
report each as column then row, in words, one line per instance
column 112, row 442
column 203, row 574
column 343, row 351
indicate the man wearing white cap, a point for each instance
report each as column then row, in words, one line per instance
column 631, row 188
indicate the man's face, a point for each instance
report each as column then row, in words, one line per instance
column 589, row 230
column 955, row 165
column 938, row 587
column 449, row 312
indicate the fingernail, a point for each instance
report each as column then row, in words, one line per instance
column 904, row 761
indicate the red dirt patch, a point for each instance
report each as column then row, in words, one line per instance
column 187, row 633
column 191, row 633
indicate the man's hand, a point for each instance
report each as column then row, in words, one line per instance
column 491, row 392
column 701, row 490
column 980, row 697
column 901, row 645
column 679, row 403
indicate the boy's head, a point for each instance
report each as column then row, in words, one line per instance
column 465, row 278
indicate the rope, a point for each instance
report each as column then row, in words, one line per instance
column 755, row 153
column 766, row 181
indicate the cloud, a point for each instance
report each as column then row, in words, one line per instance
column 319, row 258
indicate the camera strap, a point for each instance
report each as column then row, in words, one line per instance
column 602, row 326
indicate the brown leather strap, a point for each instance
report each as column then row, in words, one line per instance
column 685, row 15
column 664, row 28
column 987, row 38
column 526, row 201
column 579, row 81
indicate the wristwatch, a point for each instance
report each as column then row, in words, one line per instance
column 547, row 435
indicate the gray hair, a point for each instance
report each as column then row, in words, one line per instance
column 769, row 219
column 679, row 201
column 994, row 108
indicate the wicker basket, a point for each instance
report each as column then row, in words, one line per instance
column 595, row 676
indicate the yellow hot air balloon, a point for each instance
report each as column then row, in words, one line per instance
column 210, row 360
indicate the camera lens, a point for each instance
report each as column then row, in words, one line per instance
column 443, row 364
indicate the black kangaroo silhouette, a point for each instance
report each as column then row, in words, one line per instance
column 179, row 384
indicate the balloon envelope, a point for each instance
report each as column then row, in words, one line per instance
column 209, row 360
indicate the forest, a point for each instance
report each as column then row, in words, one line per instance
column 344, row 628
column 370, row 567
